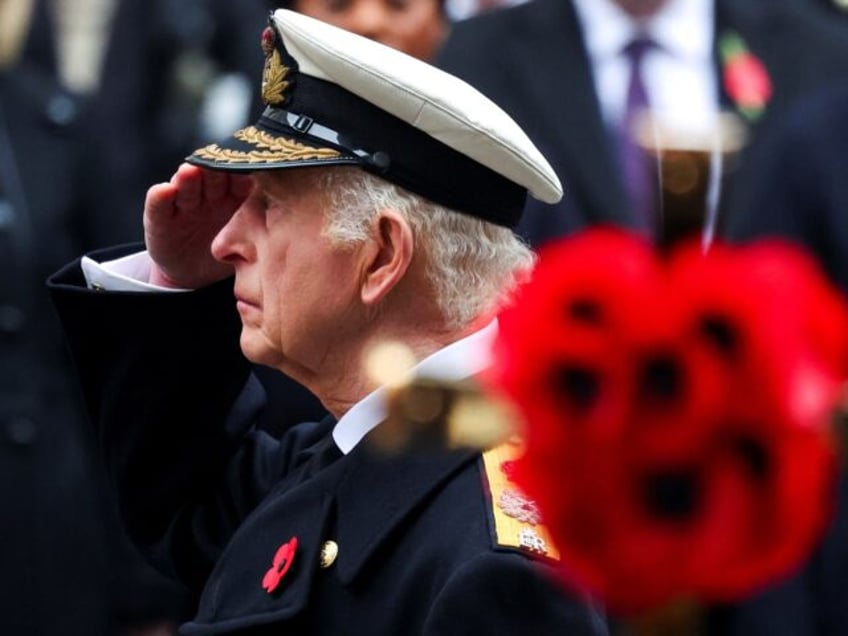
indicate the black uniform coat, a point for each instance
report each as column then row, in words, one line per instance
column 532, row 60
column 214, row 500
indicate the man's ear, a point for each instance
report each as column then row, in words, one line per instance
column 386, row 257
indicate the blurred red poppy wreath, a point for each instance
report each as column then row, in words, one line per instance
column 677, row 412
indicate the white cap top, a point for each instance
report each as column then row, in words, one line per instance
column 439, row 104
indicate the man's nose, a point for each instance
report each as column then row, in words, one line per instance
column 229, row 245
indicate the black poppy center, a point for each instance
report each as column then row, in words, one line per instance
column 578, row 385
column 662, row 378
column 672, row 495
column 721, row 333
column 585, row 310
column 753, row 454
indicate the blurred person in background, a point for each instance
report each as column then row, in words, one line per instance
column 572, row 72
column 416, row 27
column 68, row 569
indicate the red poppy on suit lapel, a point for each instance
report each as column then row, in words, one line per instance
column 676, row 412
column 745, row 77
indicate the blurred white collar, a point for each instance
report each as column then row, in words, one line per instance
column 682, row 28
column 458, row 361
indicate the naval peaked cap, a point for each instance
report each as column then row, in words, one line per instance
column 335, row 98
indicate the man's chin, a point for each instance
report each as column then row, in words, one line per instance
column 256, row 349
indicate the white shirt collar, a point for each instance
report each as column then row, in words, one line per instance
column 683, row 28
column 459, row 360
column 606, row 28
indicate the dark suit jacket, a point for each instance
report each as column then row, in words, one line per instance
column 213, row 499
column 531, row 60
column 802, row 192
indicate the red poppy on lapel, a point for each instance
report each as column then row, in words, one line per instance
column 677, row 412
column 281, row 564
column 745, row 77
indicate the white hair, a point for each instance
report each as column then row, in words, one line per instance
column 472, row 264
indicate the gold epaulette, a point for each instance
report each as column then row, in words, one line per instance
column 517, row 519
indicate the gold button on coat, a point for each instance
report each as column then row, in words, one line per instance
column 329, row 552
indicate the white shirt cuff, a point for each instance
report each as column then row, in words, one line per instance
column 125, row 274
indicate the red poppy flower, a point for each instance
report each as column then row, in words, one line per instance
column 676, row 412
column 283, row 559
column 745, row 77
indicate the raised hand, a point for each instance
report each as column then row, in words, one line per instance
column 182, row 217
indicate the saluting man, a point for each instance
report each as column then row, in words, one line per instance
column 374, row 200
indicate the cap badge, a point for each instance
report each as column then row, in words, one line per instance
column 274, row 74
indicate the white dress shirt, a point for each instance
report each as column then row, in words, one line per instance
column 678, row 73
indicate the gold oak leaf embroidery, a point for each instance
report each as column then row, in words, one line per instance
column 268, row 148
column 274, row 82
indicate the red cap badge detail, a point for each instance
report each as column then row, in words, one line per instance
column 282, row 562
column 268, row 41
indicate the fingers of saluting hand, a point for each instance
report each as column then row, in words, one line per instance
column 188, row 181
column 216, row 185
column 196, row 186
column 160, row 200
column 225, row 188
